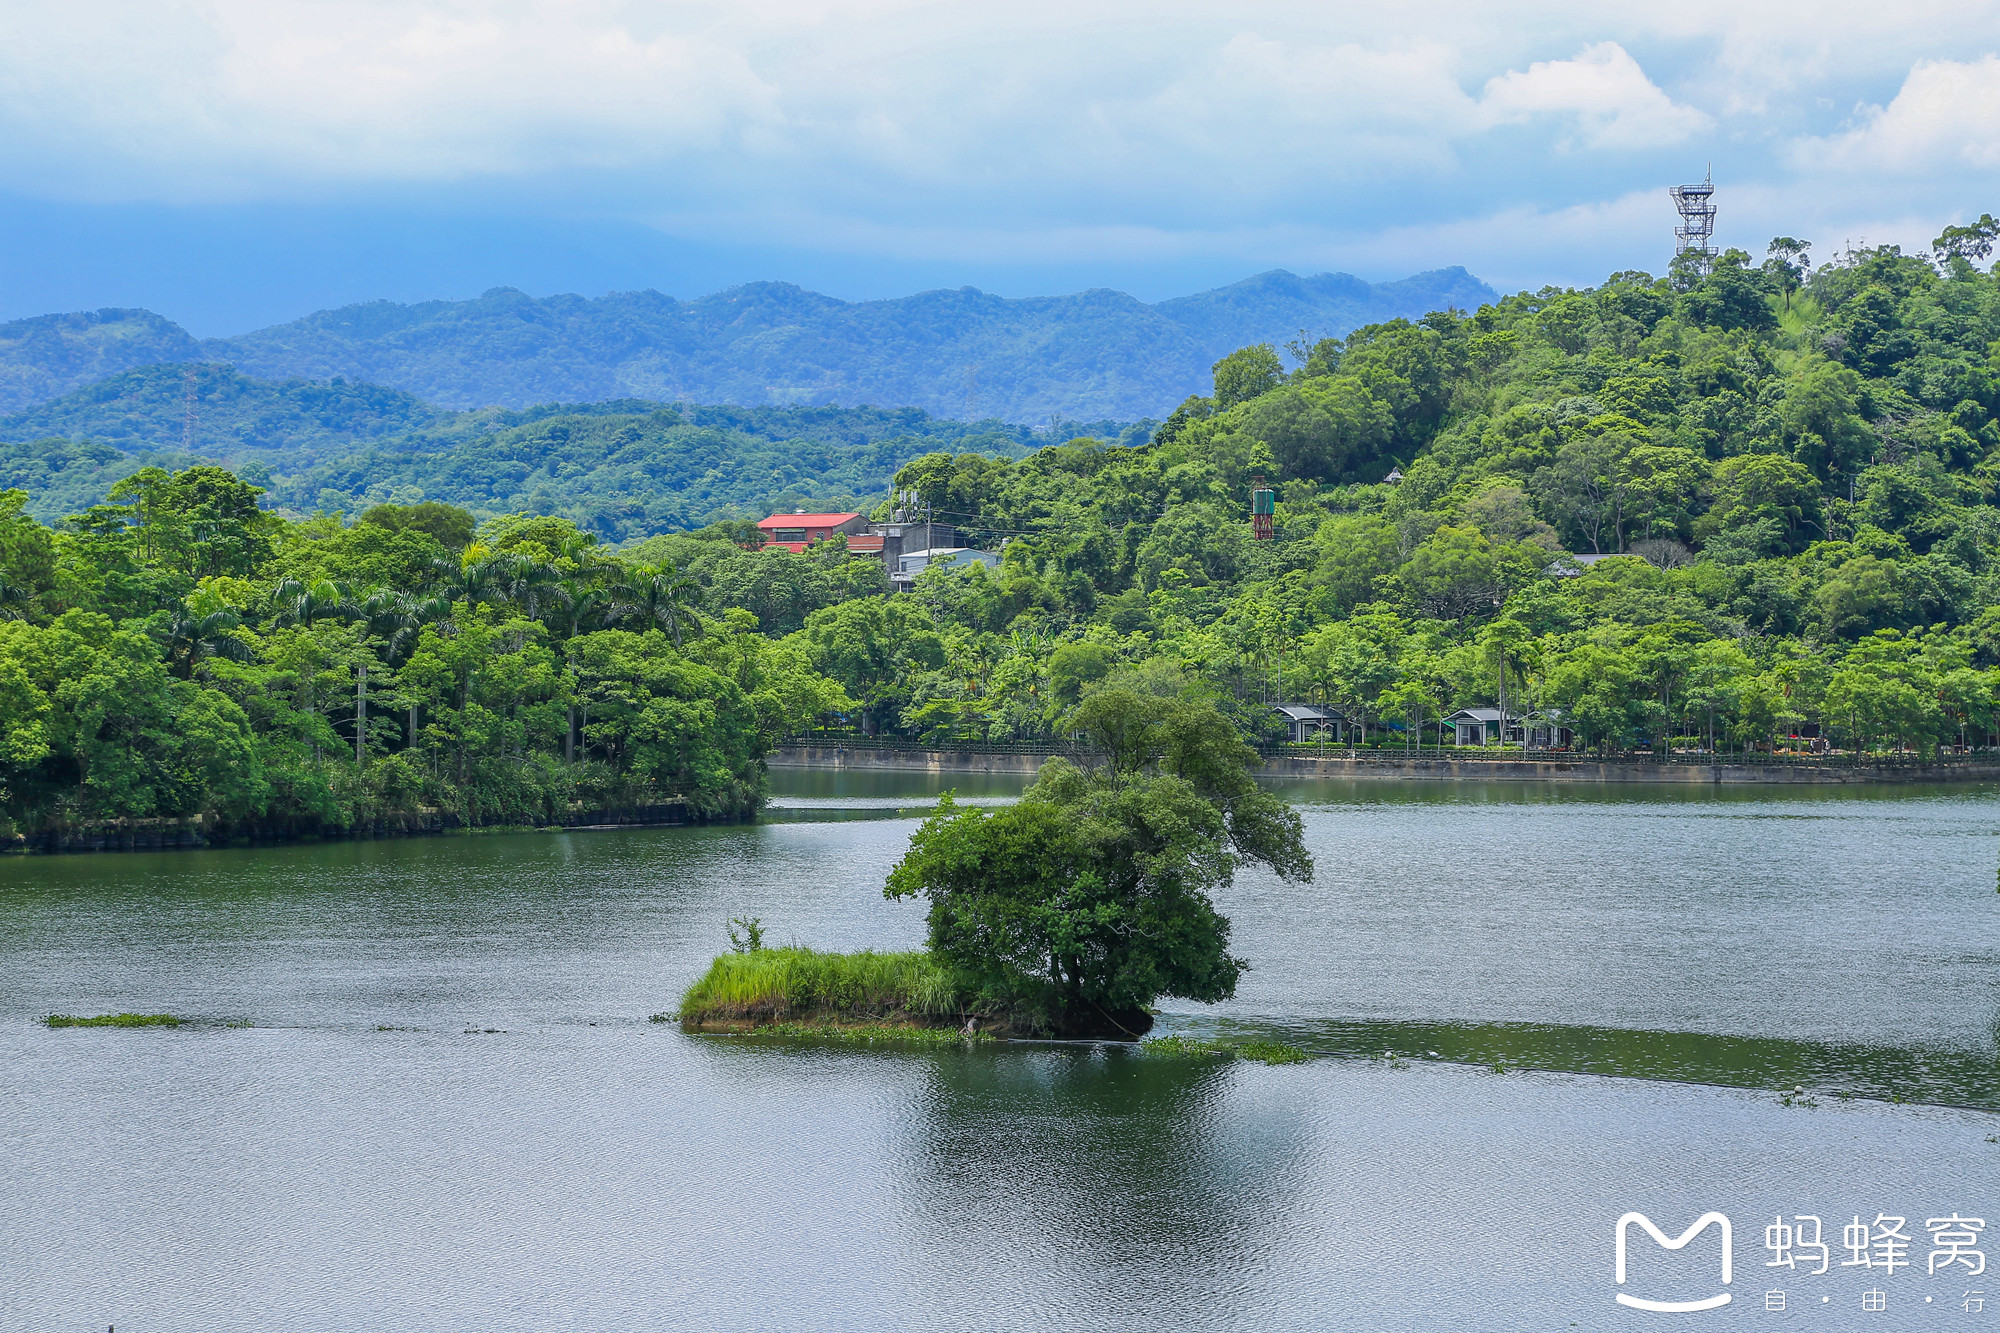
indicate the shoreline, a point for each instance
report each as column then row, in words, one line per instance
column 196, row 834
column 1385, row 766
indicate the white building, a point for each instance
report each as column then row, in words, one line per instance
column 909, row 564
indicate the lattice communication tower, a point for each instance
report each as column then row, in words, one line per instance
column 1697, row 209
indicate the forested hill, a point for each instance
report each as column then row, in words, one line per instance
column 48, row 356
column 618, row 469
column 1792, row 475
column 963, row 353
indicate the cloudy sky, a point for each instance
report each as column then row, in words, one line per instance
column 235, row 162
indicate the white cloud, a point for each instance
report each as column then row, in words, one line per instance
column 1614, row 104
column 214, row 95
column 1946, row 115
column 237, row 91
column 1438, row 131
column 1268, row 101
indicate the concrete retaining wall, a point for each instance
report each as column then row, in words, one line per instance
column 1386, row 767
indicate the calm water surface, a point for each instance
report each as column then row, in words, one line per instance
column 451, row 1113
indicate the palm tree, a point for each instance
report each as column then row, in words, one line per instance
column 573, row 606
column 191, row 639
column 295, row 603
column 657, row 596
column 468, row 581
column 395, row 619
column 525, row 581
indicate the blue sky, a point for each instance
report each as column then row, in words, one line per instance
column 231, row 163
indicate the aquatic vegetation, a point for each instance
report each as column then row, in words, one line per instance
column 778, row 985
column 113, row 1021
column 1185, row 1047
column 1769, row 1065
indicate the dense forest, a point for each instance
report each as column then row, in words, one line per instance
column 618, row 469
column 962, row 353
column 1788, row 471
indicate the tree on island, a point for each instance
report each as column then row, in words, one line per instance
column 1075, row 909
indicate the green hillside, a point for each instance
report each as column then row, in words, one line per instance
column 626, row 474
column 48, row 356
column 1792, row 486
column 619, row 469
column 234, row 414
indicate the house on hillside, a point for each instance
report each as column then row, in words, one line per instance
column 1570, row 564
column 796, row 531
column 900, row 536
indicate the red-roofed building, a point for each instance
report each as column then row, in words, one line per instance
column 795, row 532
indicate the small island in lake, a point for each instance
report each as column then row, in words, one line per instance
column 1065, row 915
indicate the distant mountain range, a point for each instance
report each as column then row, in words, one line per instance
column 1098, row 355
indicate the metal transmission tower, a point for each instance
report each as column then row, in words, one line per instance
column 1697, row 209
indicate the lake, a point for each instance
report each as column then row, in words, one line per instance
column 420, row 1089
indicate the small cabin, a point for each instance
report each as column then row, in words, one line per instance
column 1482, row 726
column 1487, row 726
column 1305, row 722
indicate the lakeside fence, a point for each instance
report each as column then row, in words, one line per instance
column 1387, row 754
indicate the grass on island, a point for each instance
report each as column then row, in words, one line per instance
column 1184, row 1047
column 113, row 1021
column 782, row 986
column 870, row 1034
